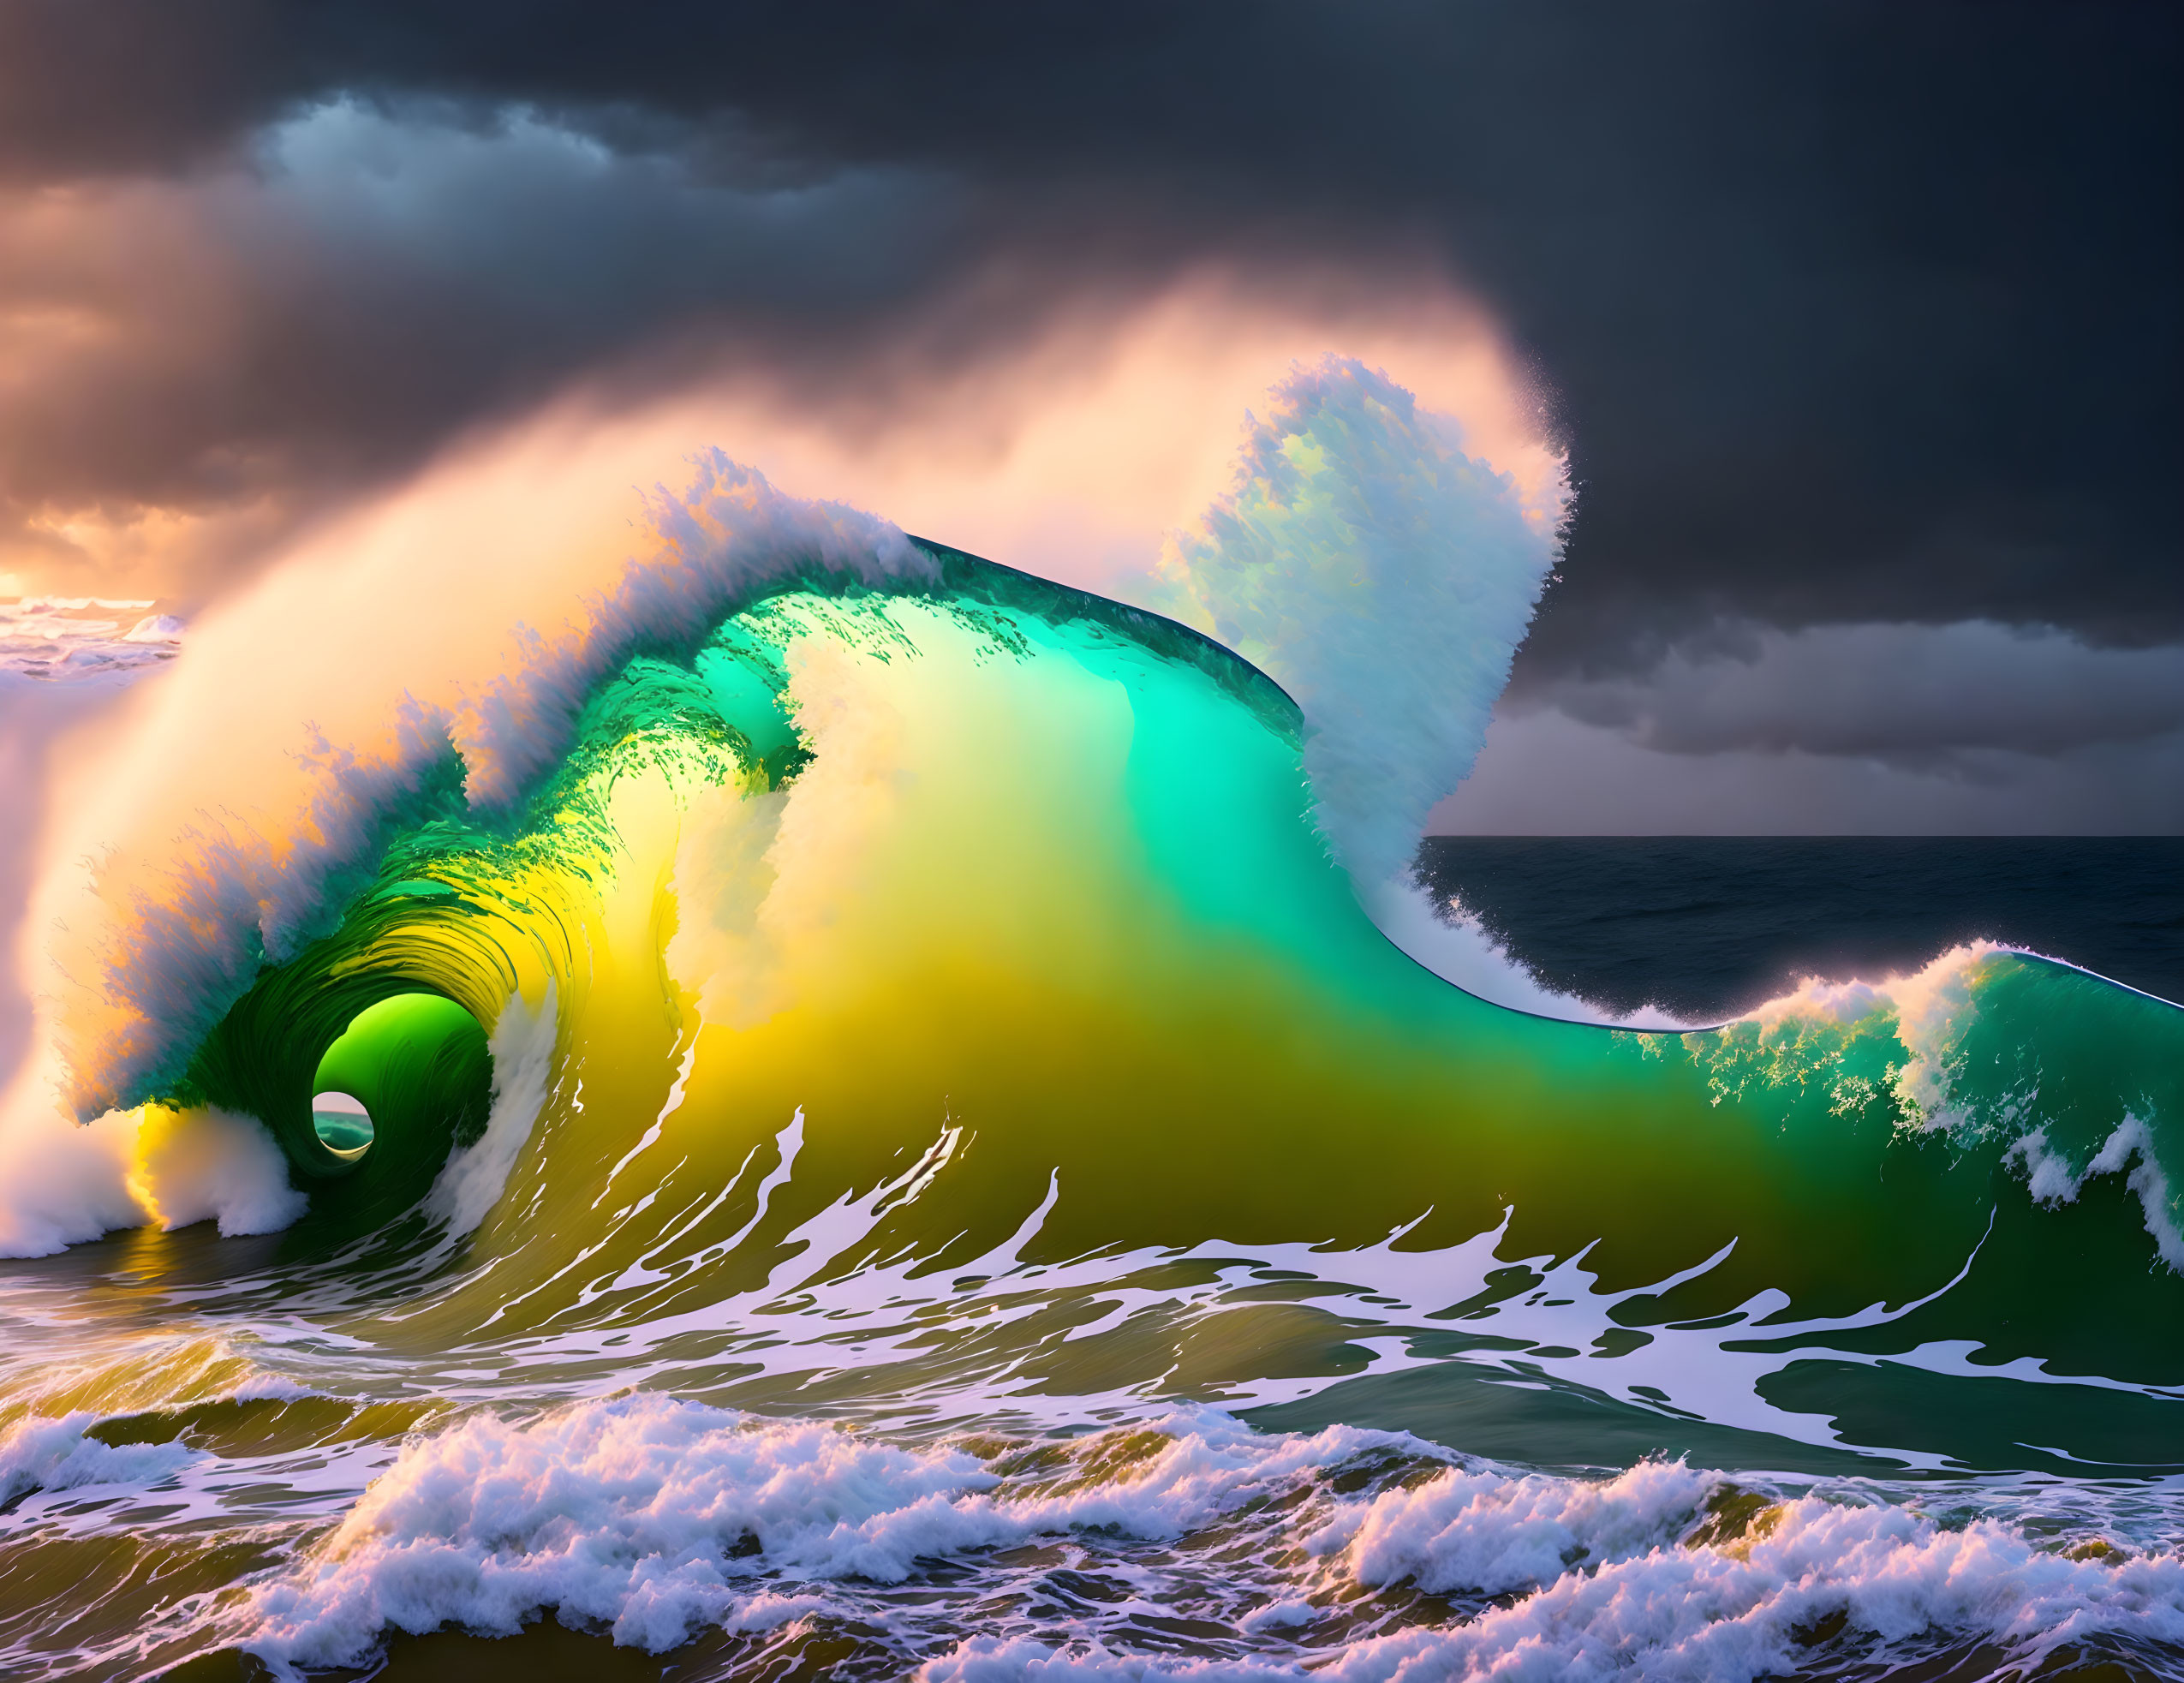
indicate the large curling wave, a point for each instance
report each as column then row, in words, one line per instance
column 828, row 869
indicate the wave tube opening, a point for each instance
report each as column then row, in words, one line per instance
column 414, row 1064
column 363, row 1069
column 342, row 1124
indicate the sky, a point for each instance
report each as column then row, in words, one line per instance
column 1853, row 327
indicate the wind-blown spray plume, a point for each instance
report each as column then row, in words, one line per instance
column 1385, row 578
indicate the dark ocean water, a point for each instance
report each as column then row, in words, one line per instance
column 1707, row 926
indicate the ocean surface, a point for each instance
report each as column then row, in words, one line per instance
column 1706, row 927
column 856, row 1113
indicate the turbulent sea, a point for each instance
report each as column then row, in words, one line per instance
column 853, row 1120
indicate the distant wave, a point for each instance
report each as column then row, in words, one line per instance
column 62, row 638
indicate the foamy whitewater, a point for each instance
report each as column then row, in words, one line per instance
column 726, row 1091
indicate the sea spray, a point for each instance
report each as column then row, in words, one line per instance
column 1385, row 578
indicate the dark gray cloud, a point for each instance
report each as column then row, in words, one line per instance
column 1851, row 312
column 1971, row 726
column 1916, row 696
column 1545, row 773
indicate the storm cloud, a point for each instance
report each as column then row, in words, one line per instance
column 1973, row 727
column 1911, row 696
column 1852, row 317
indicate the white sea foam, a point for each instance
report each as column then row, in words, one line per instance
column 2128, row 1151
column 1638, row 1603
column 52, row 1454
column 60, row 1183
column 63, row 1184
column 215, row 1166
column 655, row 1518
column 629, row 1512
column 522, row 1055
column 1027, row 1660
column 1737, row 1611
column 1488, row 1533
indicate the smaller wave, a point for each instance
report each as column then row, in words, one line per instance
column 51, row 1415
column 55, row 1454
column 146, row 1373
column 1991, row 1032
column 1929, row 1011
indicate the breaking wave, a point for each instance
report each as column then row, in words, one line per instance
column 857, row 1103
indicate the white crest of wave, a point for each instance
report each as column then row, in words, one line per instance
column 234, row 819
column 1384, row 577
column 51, row 1453
column 1932, row 1006
column 1486, row 1532
column 632, row 1511
column 1638, row 1604
column 1933, row 1009
column 1736, row 1610
column 718, row 543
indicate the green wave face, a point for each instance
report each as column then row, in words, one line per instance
column 1009, row 900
